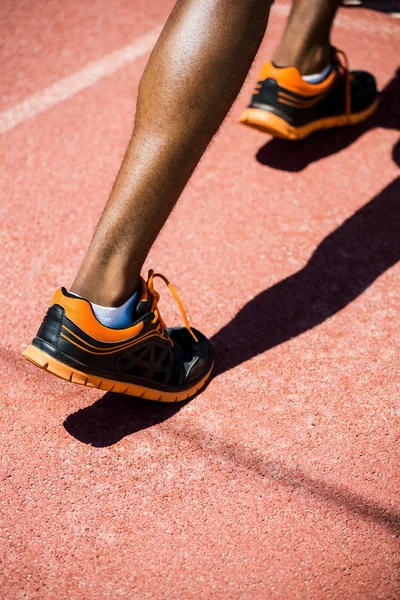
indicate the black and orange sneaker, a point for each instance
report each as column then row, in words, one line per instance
column 146, row 359
column 286, row 106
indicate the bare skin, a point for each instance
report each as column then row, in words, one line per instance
column 306, row 41
column 190, row 82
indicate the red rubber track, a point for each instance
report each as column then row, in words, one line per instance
column 280, row 480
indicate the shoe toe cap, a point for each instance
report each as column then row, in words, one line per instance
column 197, row 358
column 364, row 90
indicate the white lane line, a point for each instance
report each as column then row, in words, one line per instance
column 67, row 87
column 108, row 64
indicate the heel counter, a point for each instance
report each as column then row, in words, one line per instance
column 50, row 329
column 266, row 93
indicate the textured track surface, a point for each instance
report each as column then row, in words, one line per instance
column 280, row 480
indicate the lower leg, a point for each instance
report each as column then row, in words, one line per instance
column 306, row 41
column 192, row 78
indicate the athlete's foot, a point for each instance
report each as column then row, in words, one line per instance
column 145, row 359
column 286, row 106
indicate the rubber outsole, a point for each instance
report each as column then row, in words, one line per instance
column 55, row 367
column 268, row 122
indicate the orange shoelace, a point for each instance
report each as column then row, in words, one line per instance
column 156, row 297
column 344, row 67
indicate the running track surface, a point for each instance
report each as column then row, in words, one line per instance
column 281, row 480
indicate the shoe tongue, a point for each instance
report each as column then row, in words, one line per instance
column 144, row 304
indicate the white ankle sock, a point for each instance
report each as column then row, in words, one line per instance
column 118, row 317
column 318, row 77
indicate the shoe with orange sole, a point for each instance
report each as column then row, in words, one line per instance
column 286, row 106
column 147, row 359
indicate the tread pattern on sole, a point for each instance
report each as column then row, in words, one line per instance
column 54, row 366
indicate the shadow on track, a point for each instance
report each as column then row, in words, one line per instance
column 115, row 416
column 263, row 465
column 295, row 156
column 383, row 6
column 346, row 262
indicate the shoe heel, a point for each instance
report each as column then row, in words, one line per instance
column 268, row 122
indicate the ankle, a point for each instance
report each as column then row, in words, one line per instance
column 308, row 61
column 105, row 286
column 315, row 60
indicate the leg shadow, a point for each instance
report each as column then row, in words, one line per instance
column 342, row 267
column 294, row 156
column 346, row 262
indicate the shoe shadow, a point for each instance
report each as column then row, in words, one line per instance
column 346, row 262
column 295, row 156
column 115, row 416
column 383, row 6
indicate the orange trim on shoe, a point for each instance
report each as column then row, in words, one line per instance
column 300, row 102
column 290, row 78
column 71, row 337
column 80, row 312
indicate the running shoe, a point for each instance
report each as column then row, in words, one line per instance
column 286, row 106
column 147, row 359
